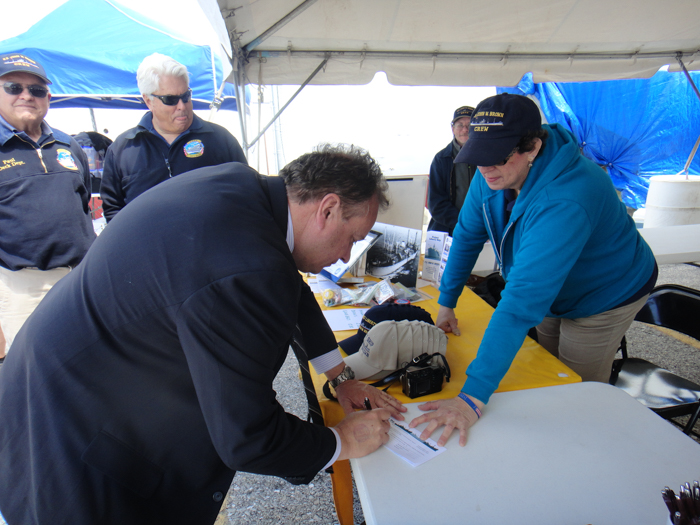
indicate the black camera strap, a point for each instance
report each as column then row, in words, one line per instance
column 421, row 360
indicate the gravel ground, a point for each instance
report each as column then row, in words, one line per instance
column 268, row 500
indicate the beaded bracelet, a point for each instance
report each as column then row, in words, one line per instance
column 471, row 403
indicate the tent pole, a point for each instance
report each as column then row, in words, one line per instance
column 92, row 117
column 687, row 75
column 216, row 103
column 311, row 76
column 695, row 88
column 279, row 24
column 241, row 117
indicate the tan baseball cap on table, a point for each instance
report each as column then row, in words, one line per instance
column 390, row 345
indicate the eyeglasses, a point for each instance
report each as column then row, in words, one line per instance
column 505, row 161
column 459, row 125
column 172, row 100
column 35, row 90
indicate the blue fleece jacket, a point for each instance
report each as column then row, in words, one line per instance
column 569, row 250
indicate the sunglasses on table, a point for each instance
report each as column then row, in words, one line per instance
column 35, row 90
column 172, row 100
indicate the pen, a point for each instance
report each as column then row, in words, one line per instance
column 368, row 405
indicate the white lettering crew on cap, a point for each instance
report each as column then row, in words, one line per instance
column 389, row 345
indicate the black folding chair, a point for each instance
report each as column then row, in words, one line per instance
column 671, row 396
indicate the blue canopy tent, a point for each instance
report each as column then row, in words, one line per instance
column 92, row 48
column 634, row 128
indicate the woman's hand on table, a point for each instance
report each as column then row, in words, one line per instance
column 447, row 321
column 352, row 394
column 453, row 414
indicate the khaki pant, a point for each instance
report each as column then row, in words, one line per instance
column 20, row 293
column 588, row 345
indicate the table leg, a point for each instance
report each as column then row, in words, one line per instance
column 341, row 480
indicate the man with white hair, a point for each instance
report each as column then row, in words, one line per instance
column 169, row 140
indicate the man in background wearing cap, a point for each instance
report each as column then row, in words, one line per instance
column 45, row 226
column 169, row 140
column 449, row 182
column 144, row 379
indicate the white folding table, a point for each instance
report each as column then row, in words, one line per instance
column 582, row 453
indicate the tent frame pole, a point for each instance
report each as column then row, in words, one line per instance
column 239, row 88
column 278, row 25
column 309, row 79
column 679, row 57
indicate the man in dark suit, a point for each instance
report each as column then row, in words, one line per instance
column 143, row 381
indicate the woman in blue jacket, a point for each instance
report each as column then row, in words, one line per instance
column 574, row 264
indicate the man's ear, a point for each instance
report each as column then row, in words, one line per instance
column 147, row 100
column 329, row 208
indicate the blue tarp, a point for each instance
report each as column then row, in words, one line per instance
column 92, row 48
column 635, row 128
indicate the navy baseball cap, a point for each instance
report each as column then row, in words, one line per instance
column 464, row 111
column 498, row 123
column 17, row 62
column 379, row 313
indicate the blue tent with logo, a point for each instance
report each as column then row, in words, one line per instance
column 634, row 128
column 92, row 48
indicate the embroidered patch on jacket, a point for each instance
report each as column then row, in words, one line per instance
column 65, row 159
column 10, row 163
column 194, row 148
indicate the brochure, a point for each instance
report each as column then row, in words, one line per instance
column 338, row 269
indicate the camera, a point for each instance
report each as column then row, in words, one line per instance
column 421, row 381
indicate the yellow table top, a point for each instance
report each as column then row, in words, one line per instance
column 533, row 366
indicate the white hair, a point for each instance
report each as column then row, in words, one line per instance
column 153, row 67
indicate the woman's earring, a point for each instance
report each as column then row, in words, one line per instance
column 529, row 165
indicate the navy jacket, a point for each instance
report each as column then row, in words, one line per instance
column 44, row 195
column 144, row 378
column 139, row 159
column 442, row 192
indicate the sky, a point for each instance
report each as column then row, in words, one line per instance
column 402, row 127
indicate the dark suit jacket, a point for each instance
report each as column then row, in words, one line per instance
column 144, row 379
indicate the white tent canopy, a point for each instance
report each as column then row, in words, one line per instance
column 459, row 42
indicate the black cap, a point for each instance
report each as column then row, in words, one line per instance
column 17, row 62
column 464, row 111
column 498, row 123
column 379, row 313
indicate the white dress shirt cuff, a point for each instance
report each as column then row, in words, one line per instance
column 325, row 362
column 337, row 449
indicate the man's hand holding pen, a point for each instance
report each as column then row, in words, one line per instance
column 363, row 432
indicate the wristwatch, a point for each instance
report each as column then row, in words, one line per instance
column 346, row 375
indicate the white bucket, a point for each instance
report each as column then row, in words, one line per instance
column 672, row 200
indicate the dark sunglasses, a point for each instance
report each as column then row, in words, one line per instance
column 172, row 100
column 15, row 88
column 505, row 161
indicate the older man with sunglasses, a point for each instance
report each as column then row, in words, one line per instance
column 45, row 226
column 169, row 140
